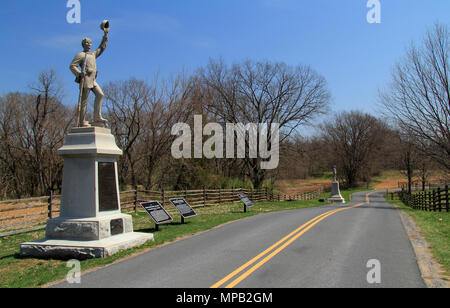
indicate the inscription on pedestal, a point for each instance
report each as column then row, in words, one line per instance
column 107, row 189
column 116, row 226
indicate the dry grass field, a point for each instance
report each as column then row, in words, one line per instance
column 387, row 180
column 294, row 187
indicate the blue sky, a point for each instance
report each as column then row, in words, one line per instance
column 166, row 36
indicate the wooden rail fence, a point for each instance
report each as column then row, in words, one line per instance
column 431, row 200
column 22, row 213
column 418, row 185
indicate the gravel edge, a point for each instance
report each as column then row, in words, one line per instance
column 431, row 270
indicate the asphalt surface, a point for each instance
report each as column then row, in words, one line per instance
column 332, row 252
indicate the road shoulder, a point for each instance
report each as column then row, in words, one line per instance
column 432, row 272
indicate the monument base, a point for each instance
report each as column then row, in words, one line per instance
column 336, row 196
column 88, row 229
column 336, row 199
column 91, row 224
column 85, row 238
column 81, row 250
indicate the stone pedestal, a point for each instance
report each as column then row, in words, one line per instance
column 336, row 196
column 90, row 224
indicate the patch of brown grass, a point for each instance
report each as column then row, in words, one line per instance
column 298, row 186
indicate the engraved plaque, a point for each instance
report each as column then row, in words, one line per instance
column 183, row 207
column 157, row 212
column 107, row 189
column 246, row 200
column 116, row 226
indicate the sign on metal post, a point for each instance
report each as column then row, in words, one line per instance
column 157, row 212
column 183, row 207
column 246, row 200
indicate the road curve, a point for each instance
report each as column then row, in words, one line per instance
column 322, row 247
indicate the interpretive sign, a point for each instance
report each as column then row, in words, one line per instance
column 107, row 189
column 157, row 212
column 183, row 207
column 246, row 200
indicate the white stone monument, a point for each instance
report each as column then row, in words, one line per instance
column 336, row 196
column 90, row 224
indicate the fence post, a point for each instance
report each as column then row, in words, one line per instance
column 204, row 196
column 433, row 200
column 429, row 200
column 163, row 196
column 421, row 201
column 220, row 195
column 425, row 200
column 446, row 197
column 135, row 198
column 50, row 204
column 439, row 199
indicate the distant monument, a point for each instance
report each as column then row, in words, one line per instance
column 90, row 224
column 336, row 196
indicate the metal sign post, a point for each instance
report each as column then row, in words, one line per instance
column 157, row 213
column 246, row 201
column 183, row 207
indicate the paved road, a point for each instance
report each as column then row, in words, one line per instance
column 331, row 251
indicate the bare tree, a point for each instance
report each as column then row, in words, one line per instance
column 425, row 166
column 355, row 139
column 419, row 95
column 11, row 155
column 32, row 128
column 125, row 101
column 263, row 92
column 142, row 116
column 407, row 157
column 170, row 103
column 45, row 128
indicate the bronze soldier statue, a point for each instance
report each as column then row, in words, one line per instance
column 84, row 67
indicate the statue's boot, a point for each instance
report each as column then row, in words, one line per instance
column 99, row 119
column 82, row 115
column 98, row 106
column 84, row 124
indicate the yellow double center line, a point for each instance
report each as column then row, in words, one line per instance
column 281, row 244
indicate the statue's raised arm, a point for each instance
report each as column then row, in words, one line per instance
column 105, row 27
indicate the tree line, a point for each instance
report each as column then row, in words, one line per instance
column 412, row 134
